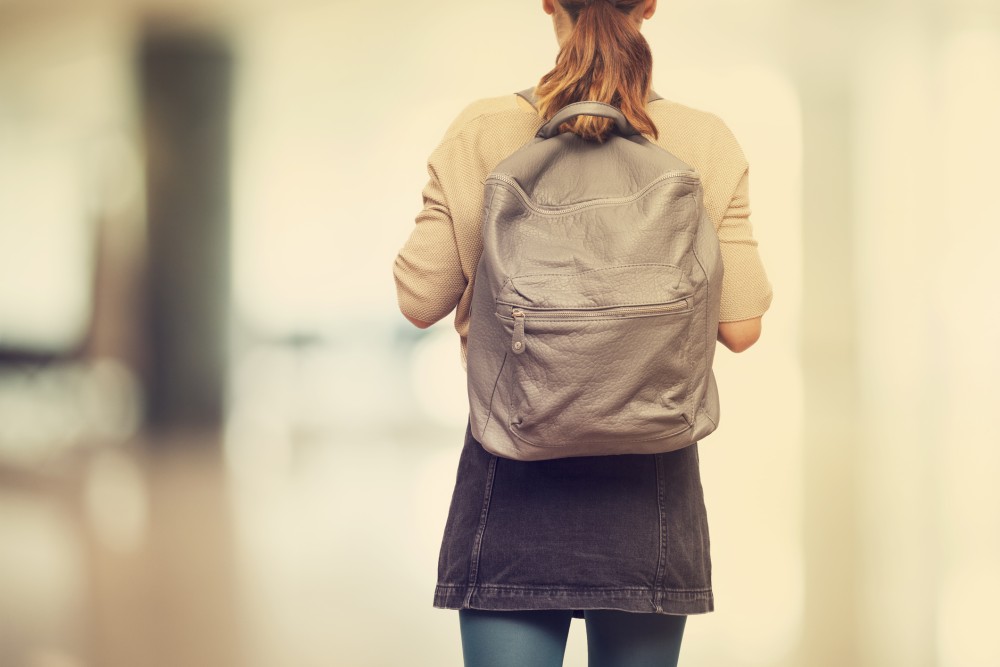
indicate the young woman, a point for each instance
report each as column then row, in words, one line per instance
column 621, row 541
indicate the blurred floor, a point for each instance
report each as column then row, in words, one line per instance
column 156, row 556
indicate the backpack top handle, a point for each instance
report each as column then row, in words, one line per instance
column 571, row 111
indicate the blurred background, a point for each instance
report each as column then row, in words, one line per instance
column 220, row 444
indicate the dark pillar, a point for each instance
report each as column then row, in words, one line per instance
column 185, row 88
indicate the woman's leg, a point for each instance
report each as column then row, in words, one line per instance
column 624, row 639
column 514, row 638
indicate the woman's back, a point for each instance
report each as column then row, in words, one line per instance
column 435, row 270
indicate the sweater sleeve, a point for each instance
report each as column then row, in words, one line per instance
column 746, row 292
column 428, row 269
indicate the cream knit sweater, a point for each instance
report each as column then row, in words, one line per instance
column 435, row 269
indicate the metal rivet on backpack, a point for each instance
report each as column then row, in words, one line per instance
column 517, row 345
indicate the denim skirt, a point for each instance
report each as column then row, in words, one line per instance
column 625, row 532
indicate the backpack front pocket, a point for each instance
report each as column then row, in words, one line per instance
column 598, row 375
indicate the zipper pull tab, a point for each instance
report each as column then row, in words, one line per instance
column 518, row 343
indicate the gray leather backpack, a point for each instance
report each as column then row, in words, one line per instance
column 595, row 304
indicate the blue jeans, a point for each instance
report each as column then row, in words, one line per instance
column 538, row 638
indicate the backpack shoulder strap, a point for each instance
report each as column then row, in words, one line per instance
column 529, row 96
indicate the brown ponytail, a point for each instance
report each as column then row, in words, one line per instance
column 605, row 59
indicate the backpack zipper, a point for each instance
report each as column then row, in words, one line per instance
column 605, row 201
column 519, row 314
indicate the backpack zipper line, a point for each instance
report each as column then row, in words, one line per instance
column 610, row 312
column 605, row 201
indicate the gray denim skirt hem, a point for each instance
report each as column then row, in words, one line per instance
column 498, row 598
column 625, row 532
